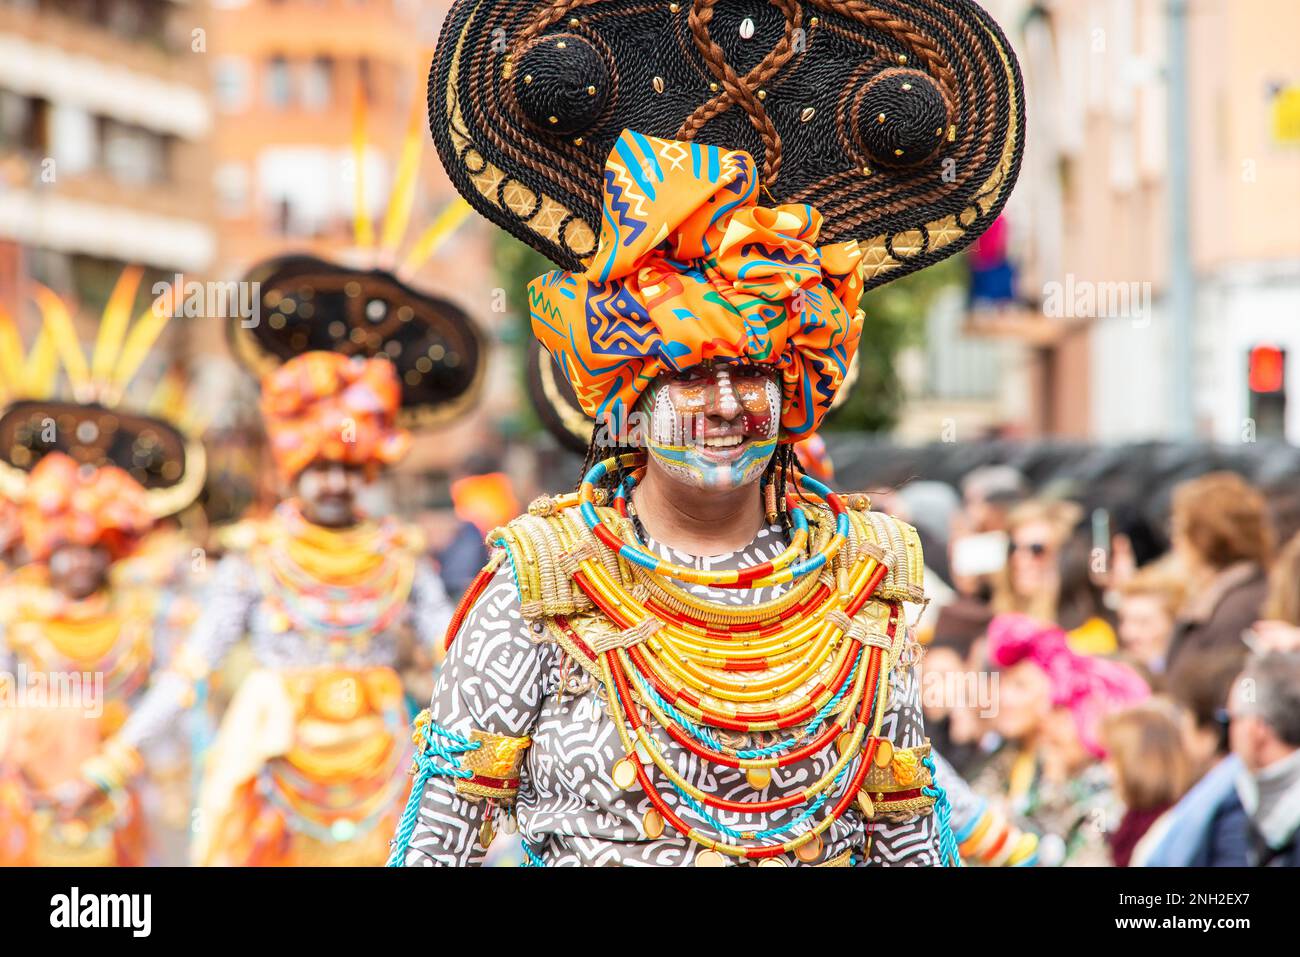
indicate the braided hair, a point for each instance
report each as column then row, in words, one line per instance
column 782, row 472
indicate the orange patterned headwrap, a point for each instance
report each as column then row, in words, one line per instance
column 690, row 268
column 321, row 405
column 68, row 504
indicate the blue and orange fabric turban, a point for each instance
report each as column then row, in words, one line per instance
column 691, row 268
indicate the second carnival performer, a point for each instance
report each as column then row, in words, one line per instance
column 80, row 633
column 309, row 765
column 700, row 658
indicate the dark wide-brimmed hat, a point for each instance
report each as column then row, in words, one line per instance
column 170, row 465
column 902, row 121
column 311, row 305
column 91, row 423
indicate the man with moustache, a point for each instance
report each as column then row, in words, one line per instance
column 309, row 765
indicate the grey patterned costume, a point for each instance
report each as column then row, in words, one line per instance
column 234, row 607
column 504, row 677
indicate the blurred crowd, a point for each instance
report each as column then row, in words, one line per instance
column 1135, row 704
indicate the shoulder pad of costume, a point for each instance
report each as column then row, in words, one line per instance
column 543, row 548
column 241, row 536
column 900, row 551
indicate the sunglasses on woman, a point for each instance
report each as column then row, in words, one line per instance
column 1037, row 549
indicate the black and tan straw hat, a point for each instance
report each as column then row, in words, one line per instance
column 902, row 121
column 93, row 422
column 310, row 305
column 169, row 464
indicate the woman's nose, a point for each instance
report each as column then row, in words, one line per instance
column 722, row 397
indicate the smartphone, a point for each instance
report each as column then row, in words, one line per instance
column 977, row 555
column 1101, row 533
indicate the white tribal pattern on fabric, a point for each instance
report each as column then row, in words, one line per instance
column 503, row 676
column 235, row 608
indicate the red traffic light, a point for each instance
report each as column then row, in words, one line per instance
column 1267, row 369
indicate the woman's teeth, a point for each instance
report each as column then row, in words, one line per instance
column 722, row 442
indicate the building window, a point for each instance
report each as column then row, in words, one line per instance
column 295, row 186
column 318, row 83
column 18, row 126
column 124, row 17
column 279, row 90
column 231, row 81
column 74, row 142
column 232, row 183
column 134, row 155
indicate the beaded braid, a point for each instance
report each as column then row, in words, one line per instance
column 783, row 469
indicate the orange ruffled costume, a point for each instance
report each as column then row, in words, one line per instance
column 324, row 406
column 690, row 268
column 42, row 746
column 68, row 504
column 10, row 529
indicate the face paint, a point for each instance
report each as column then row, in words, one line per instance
column 714, row 426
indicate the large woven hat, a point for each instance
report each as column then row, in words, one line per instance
column 311, row 305
column 902, row 121
column 95, row 426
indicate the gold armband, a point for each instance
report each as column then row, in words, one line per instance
column 898, row 788
column 113, row 767
column 495, row 763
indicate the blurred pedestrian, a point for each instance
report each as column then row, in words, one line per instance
column 1222, row 537
column 949, row 679
column 1051, row 703
column 1030, row 580
column 1081, row 598
column 978, row 530
column 1181, row 836
column 988, row 494
column 483, row 500
column 1201, row 689
column 1151, row 770
column 1148, row 608
column 1264, row 730
column 1051, row 574
column 1280, row 628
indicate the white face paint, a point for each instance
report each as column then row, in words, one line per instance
column 716, row 425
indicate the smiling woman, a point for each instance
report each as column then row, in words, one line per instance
column 673, row 551
column 701, row 657
column 714, row 425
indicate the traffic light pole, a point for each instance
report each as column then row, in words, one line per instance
column 1182, row 281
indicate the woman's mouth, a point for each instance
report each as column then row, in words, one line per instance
column 722, row 448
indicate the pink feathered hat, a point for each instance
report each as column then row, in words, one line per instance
column 1089, row 687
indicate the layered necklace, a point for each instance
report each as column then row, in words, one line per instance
column 336, row 585
column 108, row 633
column 811, row 664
